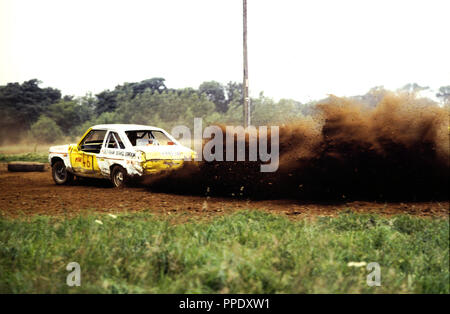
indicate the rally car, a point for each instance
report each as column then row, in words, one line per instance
column 118, row 152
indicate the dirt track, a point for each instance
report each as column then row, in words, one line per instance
column 24, row 194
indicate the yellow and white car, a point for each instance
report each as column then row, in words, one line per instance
column 117, row 152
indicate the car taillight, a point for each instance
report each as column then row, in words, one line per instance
column 141, row 156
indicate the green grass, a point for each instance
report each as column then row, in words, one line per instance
column 38, row 157
column 246, row 252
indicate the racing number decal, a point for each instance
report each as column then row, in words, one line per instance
column 88, row 162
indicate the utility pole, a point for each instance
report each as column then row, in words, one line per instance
column 245, row 82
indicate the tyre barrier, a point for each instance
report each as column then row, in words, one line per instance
column 21, row 166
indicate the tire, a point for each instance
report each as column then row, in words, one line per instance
column 60, row 174
column 119, row 177
column 20, row 166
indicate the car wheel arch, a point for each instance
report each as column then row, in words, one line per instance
column 55, row 159
column 111, row 168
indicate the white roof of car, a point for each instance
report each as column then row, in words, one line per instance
column 124, row 127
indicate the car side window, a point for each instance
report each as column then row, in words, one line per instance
column 92, row 143
column 114, row 141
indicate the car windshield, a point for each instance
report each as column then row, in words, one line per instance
column 148, row 138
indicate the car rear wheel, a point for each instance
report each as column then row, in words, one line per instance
column 119, row 177
column 60, row 174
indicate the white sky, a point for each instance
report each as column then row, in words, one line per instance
column 297, row 49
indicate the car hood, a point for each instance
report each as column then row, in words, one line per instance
column 59, row 149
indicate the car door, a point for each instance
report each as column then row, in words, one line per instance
column 113, row 152
column 84, row 156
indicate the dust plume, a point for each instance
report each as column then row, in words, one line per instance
column 396, row 150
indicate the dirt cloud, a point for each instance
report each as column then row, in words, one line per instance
column 398, row 149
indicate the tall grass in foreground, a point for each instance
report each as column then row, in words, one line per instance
column 246, row 252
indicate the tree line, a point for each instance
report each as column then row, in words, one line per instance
column 45, row 115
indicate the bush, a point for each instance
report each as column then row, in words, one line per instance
column 45, row 130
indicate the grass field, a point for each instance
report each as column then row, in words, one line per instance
column 24, row 152
column 246, row 252
column 39, row 157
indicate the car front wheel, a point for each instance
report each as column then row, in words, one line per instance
column 60, row 174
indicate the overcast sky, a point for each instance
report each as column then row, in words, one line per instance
column 297, row 49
